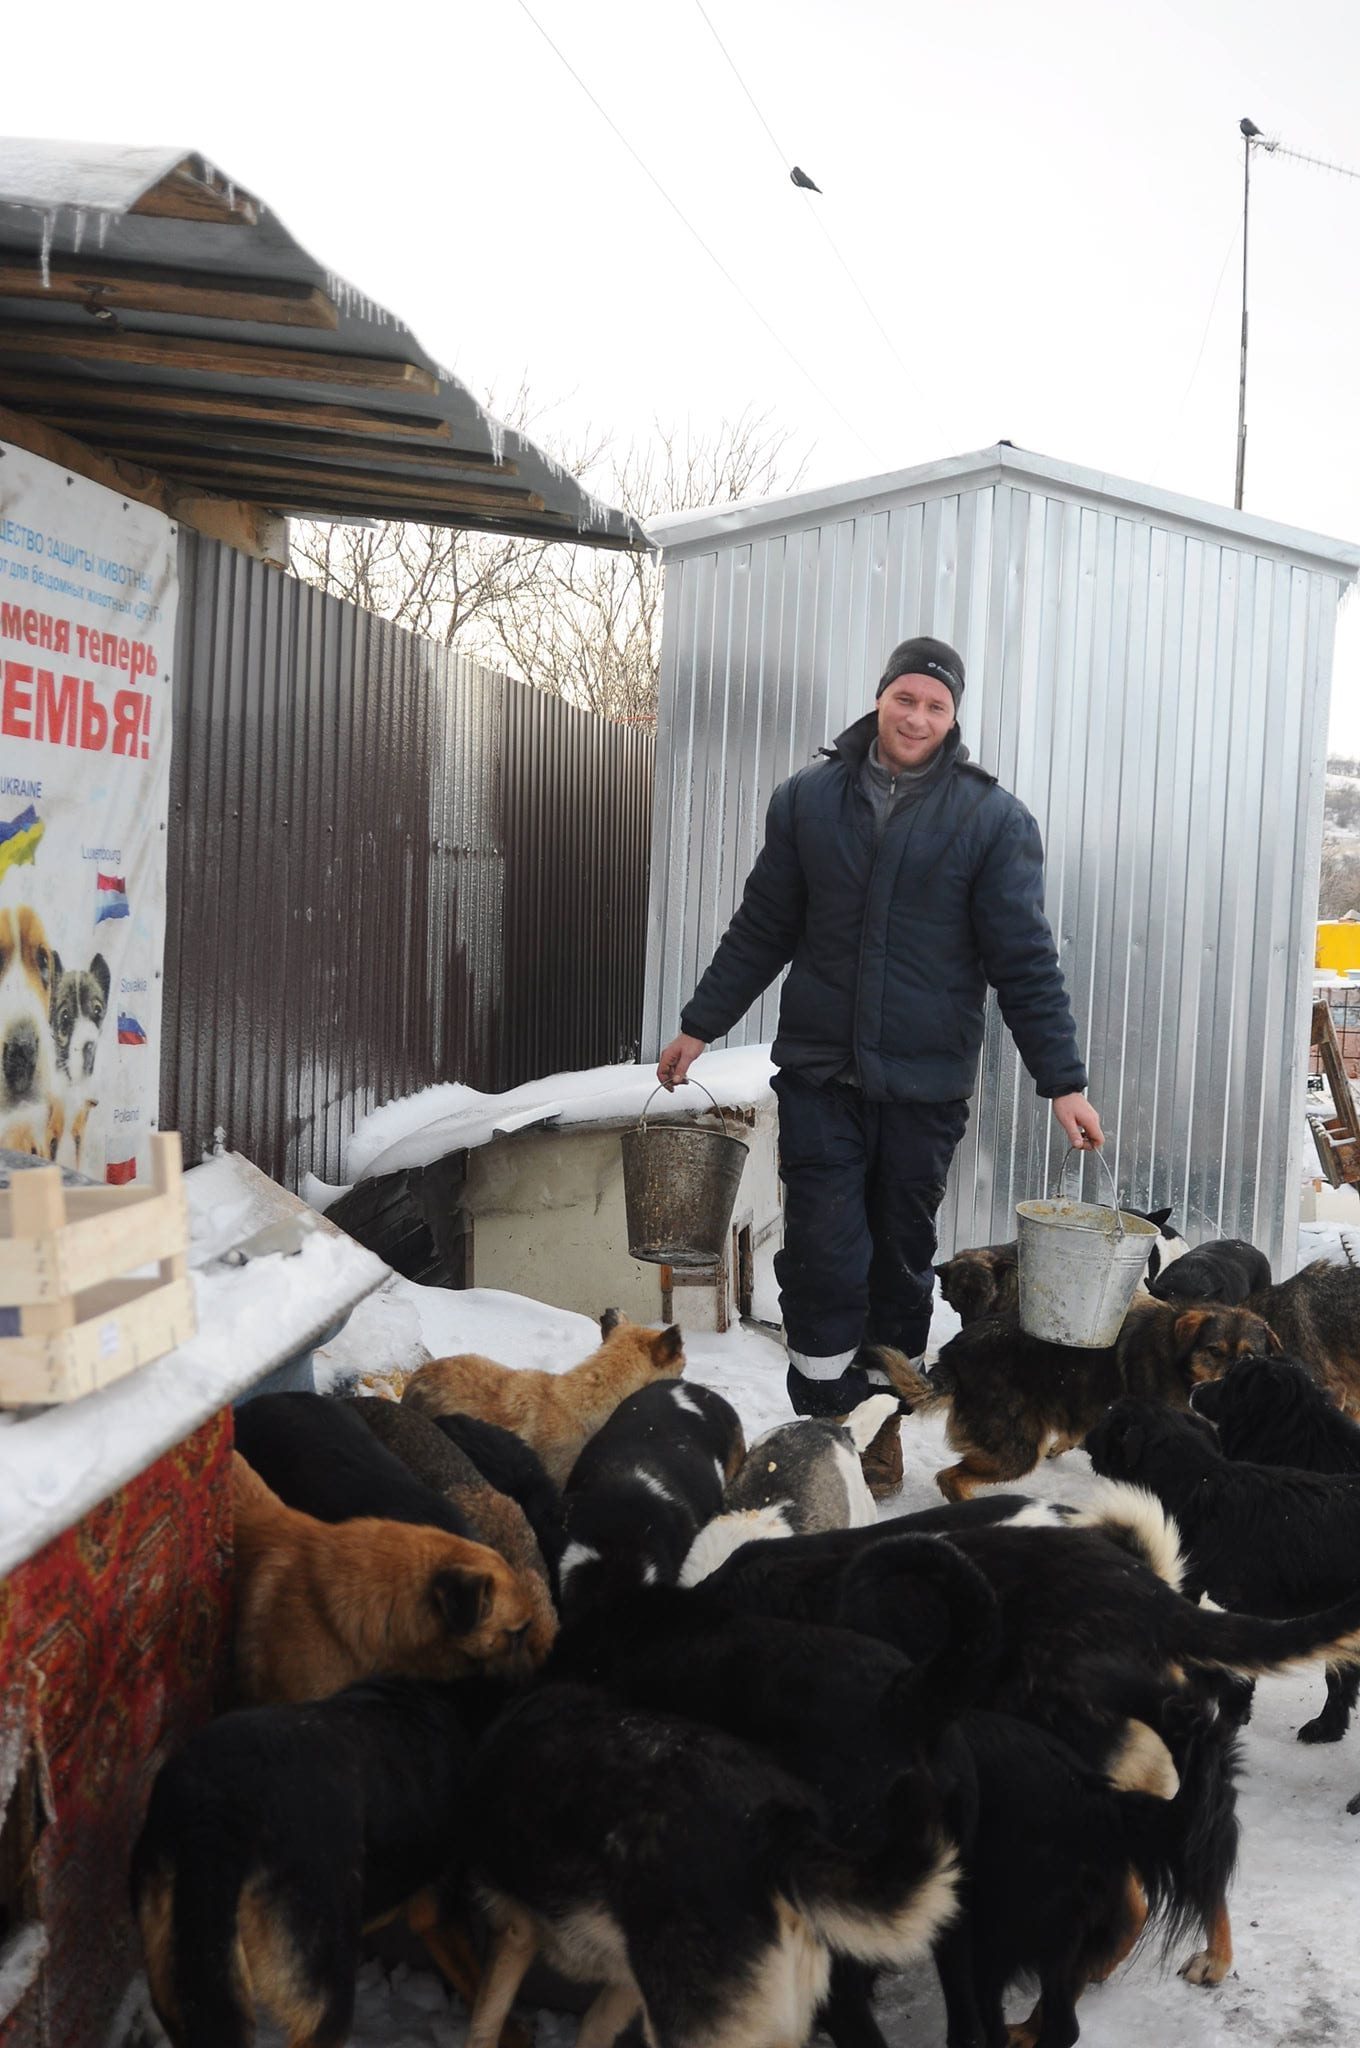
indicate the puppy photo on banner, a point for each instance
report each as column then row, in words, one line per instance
column 88, row 596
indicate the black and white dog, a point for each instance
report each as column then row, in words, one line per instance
column 642, row 1489
column 80, row 1001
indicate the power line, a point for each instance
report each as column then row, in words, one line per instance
column 816, row 215
column 685, row 221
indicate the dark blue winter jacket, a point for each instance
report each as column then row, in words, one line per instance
column 893, row 945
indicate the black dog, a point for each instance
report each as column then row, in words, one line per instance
column 513, row 1467
column 642, row 1489
column 1272, row 1411
column 276, row 1835
column 317, row 1455
column 1225, row 1271
column 681, row 1870
column 1262, row 1539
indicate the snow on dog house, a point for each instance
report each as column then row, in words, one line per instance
column 542, row 1200
column 1151, row 676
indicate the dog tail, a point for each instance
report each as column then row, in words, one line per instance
column 919, row 1390
column 195, row 1963
column 930, row 1601
column 1184, row 1849
column 864, row 1423
column 1136, row 1521
column 1251, row 1646
column 886, row 1905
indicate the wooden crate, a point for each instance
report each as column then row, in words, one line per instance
column 71, row 1318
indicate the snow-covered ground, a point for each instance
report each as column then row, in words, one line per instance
column 1297, row 1898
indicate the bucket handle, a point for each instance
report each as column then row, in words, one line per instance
column 1075, row 1151
column 689, row 1082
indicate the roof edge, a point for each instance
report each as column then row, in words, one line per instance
column 689, row 533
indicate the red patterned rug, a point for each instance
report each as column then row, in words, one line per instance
column 112, row 1645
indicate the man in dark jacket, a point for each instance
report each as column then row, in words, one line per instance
column 897, row 880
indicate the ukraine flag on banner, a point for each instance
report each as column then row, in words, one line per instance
column 19, row 839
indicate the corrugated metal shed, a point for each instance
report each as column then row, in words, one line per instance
column 1151, row 675
column 155, row 311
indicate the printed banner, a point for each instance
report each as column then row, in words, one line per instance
column 88, row 590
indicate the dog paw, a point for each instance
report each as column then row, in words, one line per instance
column 1204, row 1968
column 1320, row 1730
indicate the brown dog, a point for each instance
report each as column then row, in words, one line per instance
column 1013, row 1398
column 320, row 1604
column 1316, row 1317
column 556, row 1413
column 983, row 1281
column 490, row 1517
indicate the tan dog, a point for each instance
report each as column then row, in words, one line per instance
column 31, row 1116
column 556, row 1413
column 320, row 1604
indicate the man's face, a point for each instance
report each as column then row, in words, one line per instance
column 914, row 715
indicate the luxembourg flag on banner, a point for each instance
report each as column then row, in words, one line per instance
column 110, row 898
column 130, row 1031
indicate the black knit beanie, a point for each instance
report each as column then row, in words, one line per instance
column 925, row 657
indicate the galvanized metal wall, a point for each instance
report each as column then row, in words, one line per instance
column 1157, row 696
column 387, row 867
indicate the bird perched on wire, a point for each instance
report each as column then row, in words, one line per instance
column 799, row 177
column 1249, row 128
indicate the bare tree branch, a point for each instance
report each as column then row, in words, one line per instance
column 583, row 623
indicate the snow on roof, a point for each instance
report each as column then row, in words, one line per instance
column 106, row 176
column 418, row 1129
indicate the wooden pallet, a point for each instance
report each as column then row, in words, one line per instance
column 1337, row 1137
column 72, row 1319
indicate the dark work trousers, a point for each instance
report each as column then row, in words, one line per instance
column 863, row 1182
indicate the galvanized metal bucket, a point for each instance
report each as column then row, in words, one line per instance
column 1080, row 1264
column 679, row 1189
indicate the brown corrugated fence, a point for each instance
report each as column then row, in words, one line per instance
column 388, row 866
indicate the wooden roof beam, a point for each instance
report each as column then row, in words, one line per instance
column 128, row 435
column 213, row 358
column 49, row 391
column 122, row 287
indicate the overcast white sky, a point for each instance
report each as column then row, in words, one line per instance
column 1039, row 200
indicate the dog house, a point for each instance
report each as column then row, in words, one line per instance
column 544, row 1214
column 1151, row 676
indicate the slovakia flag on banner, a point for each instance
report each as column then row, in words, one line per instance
column 130, row 1031
column 110, row 898
column 120, row 1171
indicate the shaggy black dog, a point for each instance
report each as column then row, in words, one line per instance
column 642, row 1489
column 1271, row 1411
column 316, row 1454
column 277, row 1834
column 1226, row 1271
column 1263, row 1539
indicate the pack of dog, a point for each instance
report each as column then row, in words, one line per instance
column 1013, row 1399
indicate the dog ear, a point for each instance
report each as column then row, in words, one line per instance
column 610, row 1318
column 667, row 1347
column 1185, row 1331
column 1161, row 1217
column 462, row 1598
column 1274, row 1347
column 99, row 968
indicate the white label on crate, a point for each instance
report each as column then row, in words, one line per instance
column 110, row 1339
